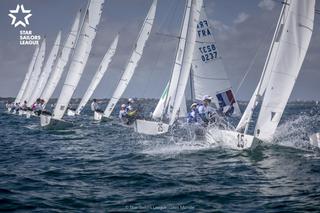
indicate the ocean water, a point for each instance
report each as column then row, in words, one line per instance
column 105, row 167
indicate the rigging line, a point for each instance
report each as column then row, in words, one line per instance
column 254, row 58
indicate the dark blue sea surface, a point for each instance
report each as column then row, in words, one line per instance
column 105, row 167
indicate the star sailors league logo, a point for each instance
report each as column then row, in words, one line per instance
column 27, row 14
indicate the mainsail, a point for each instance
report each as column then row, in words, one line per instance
column 294, row 39
column 187, row 58
column 61, row 61
column 99, row 74
column 208, row 74
column 286, row 55
column 165, row 103
column 134, row 60
column 46, row 70
column 35, row 73
column 27, row 77
column 80, row 57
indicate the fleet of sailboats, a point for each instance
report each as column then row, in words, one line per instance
column 197, row 60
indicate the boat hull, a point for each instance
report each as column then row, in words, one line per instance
column 48, row 122
column 71, row 112
column 232, row 139
column 150, row 127
column 97, row 116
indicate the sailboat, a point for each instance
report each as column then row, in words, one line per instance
column 35, row 74
column 46, row 70
column 81, row 54
column 284, row 60
column 62, row 60
column 173, row 97
column 98, row 76
column 133, row 61
column 27, row 76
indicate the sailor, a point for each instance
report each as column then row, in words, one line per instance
column 95, row 106
column 131, row 113
column 17, row 107
column 123, row 112
column 38, row 107
column 193, row 116
column 206, row 112
column 130, row 105
column 24, row 105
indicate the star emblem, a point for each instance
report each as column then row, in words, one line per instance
column 14, row 18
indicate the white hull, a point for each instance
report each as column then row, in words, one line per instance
column 29, row 113
column 97, row 116
column 150, row 127
column 315, row 140
column 71, row 112
column 51, row 123
column 231, row 139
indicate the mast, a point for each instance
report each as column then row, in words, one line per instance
column 187, row 58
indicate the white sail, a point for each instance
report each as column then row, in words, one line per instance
column 46, row 70
column 157, row 113
column 187, row 58
column 99, row 74
column 208, row 73
column 27, row 77
column 134, row 60
column 80, row 57
column 61, row 61
column 35, row 74
column 165, row 104
column 294, row 39
column 244, row 123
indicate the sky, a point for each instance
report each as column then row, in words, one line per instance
column 243, row 31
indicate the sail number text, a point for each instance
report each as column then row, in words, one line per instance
column 208, row 52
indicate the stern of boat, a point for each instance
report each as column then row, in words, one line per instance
column 232, row 139
column 150, row 127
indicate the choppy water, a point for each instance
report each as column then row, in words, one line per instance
column 102, row 167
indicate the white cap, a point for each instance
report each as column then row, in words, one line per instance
column 130, row 100
column 207, row 97
column 123, row 105
column 194, row 104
